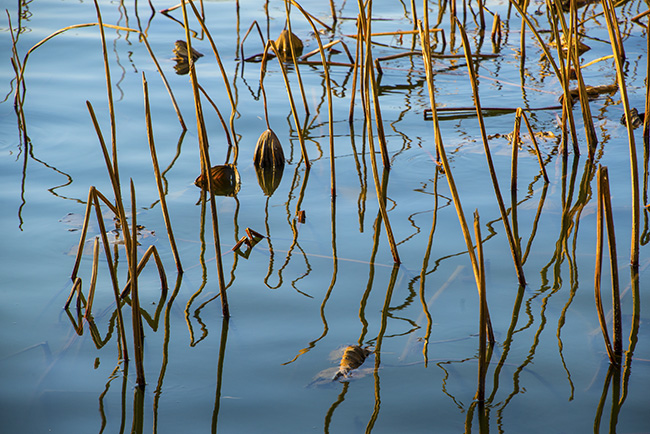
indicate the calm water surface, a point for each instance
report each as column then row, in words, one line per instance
column 311, row 289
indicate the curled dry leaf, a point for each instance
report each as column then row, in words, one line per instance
column 224, row 180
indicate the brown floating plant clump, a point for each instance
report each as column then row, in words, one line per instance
column 353, row 357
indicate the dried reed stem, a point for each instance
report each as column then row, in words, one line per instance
column 136, row 319
column 617, row 51
column 271, row 45
column 598, row 273
column 329, row 94
column 515, row 142
column 370, row 81
column 221, row 119
column 156, row 171
column 381, row 192
column 205, row 166
column 109, row 260
column 143, row 261
column 295, row 60
column 109, row 92
column 516, row 253
column 573, row 56
column 483, row 313
column 537, row 151
column 84, row 231
column 442, row 158
column 355, row 71
column 560, row 75
column 115, row 182
column 76, row 288
column 605, row 213
column 646, row 119
column 93, row 279
column 233, row 104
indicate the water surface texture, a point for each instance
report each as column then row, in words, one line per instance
column 315, row 286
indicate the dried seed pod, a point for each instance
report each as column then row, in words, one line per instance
column 180, row 50
column 224, row 180
column 182, row 66
column 353, row 357
column 636, row 117
column 284, row 48
column 268, row 152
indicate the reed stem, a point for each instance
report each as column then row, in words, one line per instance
column 617, row 51
column 205, row 166
column 515, row 251
column 156, row 170
column 138, row 333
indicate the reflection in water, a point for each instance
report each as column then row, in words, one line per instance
column 222, row 355
column 537, row 302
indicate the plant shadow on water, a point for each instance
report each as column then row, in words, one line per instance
column 327, row 278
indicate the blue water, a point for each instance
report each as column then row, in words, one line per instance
column 300, row 296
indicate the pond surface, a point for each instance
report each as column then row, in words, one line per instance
column 308, row 290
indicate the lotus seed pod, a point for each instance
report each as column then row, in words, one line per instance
column 268, row 152
column 224, row 180
column 284, row 48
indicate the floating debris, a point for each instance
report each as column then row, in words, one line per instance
column 301, row 217
column 592, row 91
column 182, row 66
column 224, row 180
column 636, row 118
column 353, row 357
column 180, row 50
column 582, row 47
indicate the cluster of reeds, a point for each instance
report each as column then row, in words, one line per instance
column 269, row 158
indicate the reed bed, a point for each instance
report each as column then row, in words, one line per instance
column 366, row 71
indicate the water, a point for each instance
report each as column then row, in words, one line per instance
column 301, row 296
